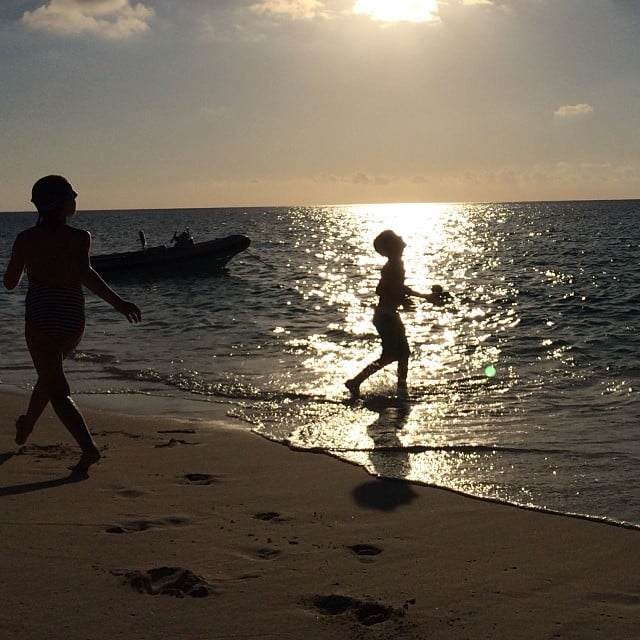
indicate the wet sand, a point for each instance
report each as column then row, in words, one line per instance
column 190, row 530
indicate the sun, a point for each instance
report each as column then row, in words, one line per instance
column 398, row 10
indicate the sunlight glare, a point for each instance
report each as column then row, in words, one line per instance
column 398, row 10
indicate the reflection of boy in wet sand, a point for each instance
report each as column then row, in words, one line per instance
column 55, row 258
column 392, row 293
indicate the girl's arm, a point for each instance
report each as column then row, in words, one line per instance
column 16, row 265
column 97, row 285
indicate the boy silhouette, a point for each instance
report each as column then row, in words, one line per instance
column 392, row 294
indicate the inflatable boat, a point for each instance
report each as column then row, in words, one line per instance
column 184, row 254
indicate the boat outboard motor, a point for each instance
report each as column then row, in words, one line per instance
column 143, row 239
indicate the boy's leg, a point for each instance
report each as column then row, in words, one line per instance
column 354, row 384
column 387, row 328
column 403, row 370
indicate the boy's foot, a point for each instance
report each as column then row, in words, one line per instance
column 403, row 392
column 22, row 431
column 354, row 388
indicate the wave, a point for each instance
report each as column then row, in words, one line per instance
column 472, row 449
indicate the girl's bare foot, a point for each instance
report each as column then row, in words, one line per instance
column 87, row 459
column 23, row 431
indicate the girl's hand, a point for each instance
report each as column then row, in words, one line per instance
column 129, row 310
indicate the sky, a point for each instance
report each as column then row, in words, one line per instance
column 165, row 104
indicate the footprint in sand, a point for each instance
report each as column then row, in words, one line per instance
column 187, row 431
column 130, row 493
column 270, row 516
column 173, row 442
column 365, row 550
column 52, row 451
column 268, row 554
column 119, row 432
column 135, row 526
column 365, row 612
column 201, row 478
column 263, row 553
column 170, row 581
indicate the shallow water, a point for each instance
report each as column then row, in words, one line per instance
column 545, row 293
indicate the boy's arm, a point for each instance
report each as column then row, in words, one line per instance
column 16, row 265
column 434, row 298
column 408, row 291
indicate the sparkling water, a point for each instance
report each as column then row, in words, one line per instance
column 523, row 389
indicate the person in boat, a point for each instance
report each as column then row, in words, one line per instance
column 393, row 293
column 183, row 240
column 55, row 257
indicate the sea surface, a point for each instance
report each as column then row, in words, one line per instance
column 524, row 389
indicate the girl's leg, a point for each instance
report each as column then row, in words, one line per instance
column 37, row 403
column 47, row 358
column 39, row 396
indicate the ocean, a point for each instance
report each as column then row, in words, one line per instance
column 523, row 390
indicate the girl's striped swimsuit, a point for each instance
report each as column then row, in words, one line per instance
column 56, row 311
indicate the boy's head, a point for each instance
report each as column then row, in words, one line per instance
column 437, row 289
column 389, row 244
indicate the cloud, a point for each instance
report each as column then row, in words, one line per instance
column 471, row 3
column 108, row 19
column 595, row 179
column 362, row 178
column 294, row 9
column 398, row 10
column 573, row 110
column 632, row 6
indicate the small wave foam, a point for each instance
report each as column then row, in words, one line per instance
column 92, row 357
column 193, row 383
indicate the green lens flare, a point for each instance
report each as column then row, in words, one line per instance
column 490, row 371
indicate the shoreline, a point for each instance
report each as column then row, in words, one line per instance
column 178, row 409
column 514, row 505
column 189, row 531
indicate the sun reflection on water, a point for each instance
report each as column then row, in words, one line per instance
column 452, row 397
column 442, row 248
column 461, row 386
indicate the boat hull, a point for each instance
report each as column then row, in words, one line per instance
column 209, row 256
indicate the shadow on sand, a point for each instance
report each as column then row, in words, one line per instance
column 384, row 493
column 4, row 457
column 29, row 487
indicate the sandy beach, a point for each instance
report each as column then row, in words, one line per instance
column 190, row 530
